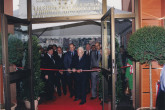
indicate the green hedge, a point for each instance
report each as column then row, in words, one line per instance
column 148, row 44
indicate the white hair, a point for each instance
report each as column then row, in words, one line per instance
column 81, row 48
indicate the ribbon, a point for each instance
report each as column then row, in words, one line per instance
column 21, row 67
column 125, row 66
column 45, row 69
column 128, row 65
column 96, row 69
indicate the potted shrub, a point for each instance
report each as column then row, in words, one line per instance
column 38, row 83
column 146, row 45
column 13, row 106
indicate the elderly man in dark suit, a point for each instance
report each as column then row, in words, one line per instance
column 67, row 65
column 48, row 76
column 79, row 63
column 95, row 62
column 60, row 76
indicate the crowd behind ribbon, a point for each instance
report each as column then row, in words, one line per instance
column 78, row 82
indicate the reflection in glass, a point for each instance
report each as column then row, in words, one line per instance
column 19, row 9
column 64, row 42
column 123, row 31
column 17, row 45
column 122, row 5
column 46, row 8
column 107, row 82
column 17, row 55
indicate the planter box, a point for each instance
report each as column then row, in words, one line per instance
column 13, row 106
column 28, row 105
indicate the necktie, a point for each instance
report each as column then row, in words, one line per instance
column 52, row 59
column 72, row 54
column 88, row 53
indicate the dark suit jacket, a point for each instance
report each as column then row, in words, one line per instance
column 49, row 64
column 55, row 54
column 79, row 64
column 88, row 58
column 60, row 61
column 68, row 59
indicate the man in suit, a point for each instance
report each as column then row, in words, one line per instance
column 160, row 100
column 55, row 54
column 48, row 76
column 79, row 63
column 60, row 76
column 67, row 65
column 95, row 62
column 88, row 58
column 93, row 48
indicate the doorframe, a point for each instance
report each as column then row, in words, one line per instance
column 112, row 19
column 8, row 20
column 110, row 14
column 5, row 63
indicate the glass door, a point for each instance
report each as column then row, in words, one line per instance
column 18, row 64
column 106, row 65
column 125, row 76
column 117, row 26
column 108, row 61
column 16, row 61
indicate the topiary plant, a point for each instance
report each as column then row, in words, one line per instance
column 38, row 83
column 146, row 45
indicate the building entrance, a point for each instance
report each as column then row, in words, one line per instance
column 109, row 67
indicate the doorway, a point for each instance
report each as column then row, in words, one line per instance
column 106, row 45
column 116, row 30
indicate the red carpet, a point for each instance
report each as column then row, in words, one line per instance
column 67, row 103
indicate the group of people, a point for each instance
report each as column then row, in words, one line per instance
column 73, row 62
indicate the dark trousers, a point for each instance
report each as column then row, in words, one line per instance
column 71, row 83
column 81, row 82
column 49, row 89
column 61, row 78
column 160, row 101
column 88, row 82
